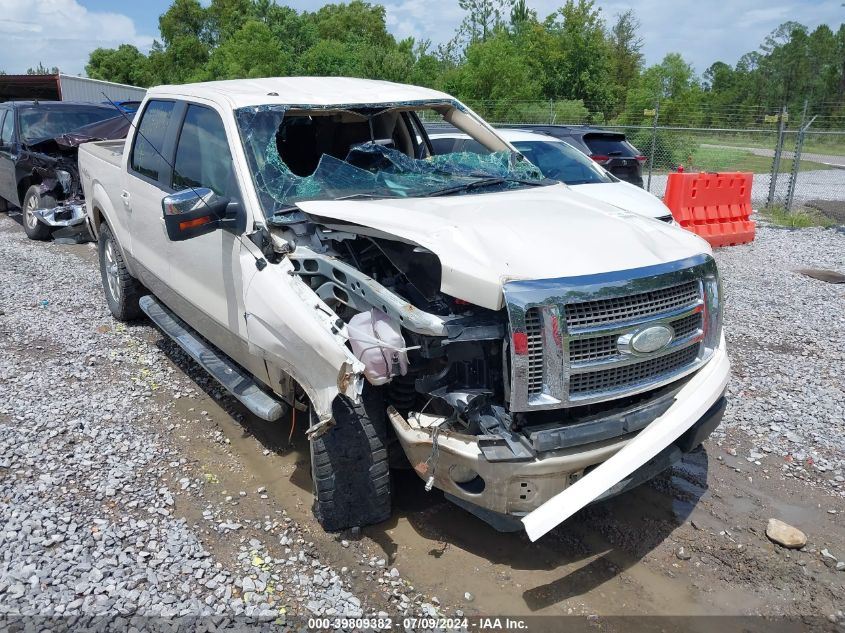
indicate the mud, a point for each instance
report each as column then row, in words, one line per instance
column 619, row 557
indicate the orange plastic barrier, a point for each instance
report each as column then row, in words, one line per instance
column 715, row 206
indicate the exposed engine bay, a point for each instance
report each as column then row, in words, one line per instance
column 434, row 354
column 54, row 162
column 502, row 390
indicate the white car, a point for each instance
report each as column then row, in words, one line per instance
column 560, row 161
column 529, row 349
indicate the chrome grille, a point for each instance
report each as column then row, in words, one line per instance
column 688, row 325
column 643, row 304
column 534, row 333
column 570, row 329
column 597, row 348
column 628, row 375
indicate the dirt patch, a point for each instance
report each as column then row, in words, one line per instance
column 833, row 209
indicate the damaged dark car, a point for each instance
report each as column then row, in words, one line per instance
column 38, row 167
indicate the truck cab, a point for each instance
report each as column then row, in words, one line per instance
column 522, row 347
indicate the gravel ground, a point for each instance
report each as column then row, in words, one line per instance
column 784, row 333
column 110, row 503
column 88, row 482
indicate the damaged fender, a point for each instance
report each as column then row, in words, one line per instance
column 291, row 327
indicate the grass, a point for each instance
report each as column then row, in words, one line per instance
column 832, row 144
column 716, row 159
column 797, row 219
column 721, row 159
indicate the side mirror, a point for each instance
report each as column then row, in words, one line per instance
column 194, row 212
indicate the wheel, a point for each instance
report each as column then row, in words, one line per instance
column 122, row 289
column 35, row 229
column 349, row 465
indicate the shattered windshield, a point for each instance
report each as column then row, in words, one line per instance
column 355, row 153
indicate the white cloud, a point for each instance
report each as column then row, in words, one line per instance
column 59, row 33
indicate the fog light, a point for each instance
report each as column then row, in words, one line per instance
column 462, row 474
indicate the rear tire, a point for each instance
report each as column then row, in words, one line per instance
column 122, row 289
column 34, row 228
column 349, row 465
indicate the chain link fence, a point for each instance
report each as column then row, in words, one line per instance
column 798, row 159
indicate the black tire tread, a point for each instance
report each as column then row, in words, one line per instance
column 41, row 232
column 131, row 289
column 350, row 466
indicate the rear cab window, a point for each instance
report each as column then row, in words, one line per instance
column 443, row 145
column 148, row 145
column 609, row 145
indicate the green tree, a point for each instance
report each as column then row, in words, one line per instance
column 124, row 64
column 251, row 51
column 225, row 18
column 494, row 77
column 354, row 22
column 330, row 58
column 672, row 82
column 184, row 18
column 521, row 14
column 41, row 69
column 483, row 17
column 578, row 60
column 626, row 58
column 294, row 32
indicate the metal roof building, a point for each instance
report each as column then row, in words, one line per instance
column 65, row 88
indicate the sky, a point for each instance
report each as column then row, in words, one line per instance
column 63, row 32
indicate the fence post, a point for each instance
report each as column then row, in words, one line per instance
column 653, row 142
column 773, row 178
column 796, row 157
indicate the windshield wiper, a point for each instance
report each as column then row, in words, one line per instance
column 488, row 182
column 467, row 186
column 360, row 196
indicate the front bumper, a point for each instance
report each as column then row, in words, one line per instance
column 518, row 488
column 69, row 220
column 66, row 214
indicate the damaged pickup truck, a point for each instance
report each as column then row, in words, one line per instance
column 38, row 166
column 526, row 349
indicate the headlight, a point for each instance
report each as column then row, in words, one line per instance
column 713, row 305
column 65, row 180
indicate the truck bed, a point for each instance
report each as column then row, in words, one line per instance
column 108, row 151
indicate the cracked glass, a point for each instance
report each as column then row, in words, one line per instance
column 361, row 152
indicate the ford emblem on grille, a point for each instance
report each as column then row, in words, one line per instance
column 647, row 340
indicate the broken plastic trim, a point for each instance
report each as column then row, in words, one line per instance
column 695, row 398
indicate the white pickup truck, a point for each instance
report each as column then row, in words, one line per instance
column 528, row 349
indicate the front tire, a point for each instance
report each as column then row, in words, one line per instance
column 32, row 226
column 349, row 465
column 122, row 289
